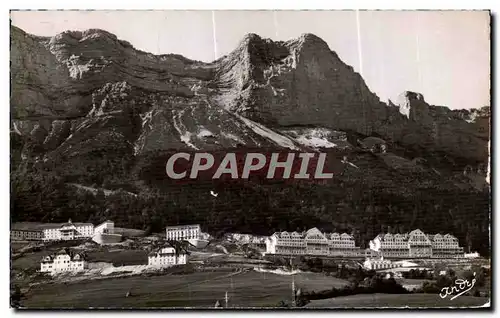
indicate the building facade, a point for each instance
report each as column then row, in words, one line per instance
column 416, row 244
column 26, row 234
column 68, row 231
column 377, row 264
column 312, row 242
column 63, row 261
column 106, row 227
column 104, row 233
column 183, row 232
column 166, row 257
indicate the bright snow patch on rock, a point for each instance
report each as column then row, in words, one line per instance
column 315, row 142
column 204, row 133
column 231, row 136
column 268, row 133
column 179, row 126
column 315, row 138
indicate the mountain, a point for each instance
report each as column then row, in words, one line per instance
column 91, row 110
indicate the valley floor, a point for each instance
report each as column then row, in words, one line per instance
column 200, row 289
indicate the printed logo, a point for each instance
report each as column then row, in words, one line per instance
column 245, row 165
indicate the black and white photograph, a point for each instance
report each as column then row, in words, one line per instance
column 250, row 159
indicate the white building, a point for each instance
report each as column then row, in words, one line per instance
column 166, row 257
column 106, row 227
column 104, row 233
column 183, row 232
column 380, row 263
column 26, row 231
column 416, row 244
column 471, row 255
column 67, row 231
column 238, row 238
column 312, row 242
column 63, row 261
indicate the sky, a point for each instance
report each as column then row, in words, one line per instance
column 445, row 55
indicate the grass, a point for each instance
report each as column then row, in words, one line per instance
column 16, row 245
column 387, row 300
column 29, row 261
column 201, row 289
column 120, row 258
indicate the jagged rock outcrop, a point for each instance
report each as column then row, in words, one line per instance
column 302, row 82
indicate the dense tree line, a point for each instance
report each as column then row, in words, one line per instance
column 356, row 203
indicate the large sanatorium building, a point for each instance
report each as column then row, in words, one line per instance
column 61, row 231
column 415, row 244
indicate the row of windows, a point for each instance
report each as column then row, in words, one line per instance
column 388, row 239
column 196, row 229
column 74, row 264
column 309, row 244
column 181, row 234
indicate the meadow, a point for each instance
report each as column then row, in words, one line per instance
column 200, row 289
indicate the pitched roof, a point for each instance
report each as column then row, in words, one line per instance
column 74, row 256
column 158, row 251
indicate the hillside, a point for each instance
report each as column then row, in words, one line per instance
column 89, row 109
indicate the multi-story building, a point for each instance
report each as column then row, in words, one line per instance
column 166, row 257
column 183, row 232
column 104, row 233
column 67, row 231
column 26, row 231
column 63, row 261
column 51, row 231
column 312, row 242
column 445, row 246
column 343, row 245
column 416, row 244
column 106, row 227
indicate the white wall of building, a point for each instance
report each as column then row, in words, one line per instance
column 312, row 242
column 417, row 244
column 62, row 263
column 107, row 227
column 166, row 257
column 69, row 231
column 183, row 232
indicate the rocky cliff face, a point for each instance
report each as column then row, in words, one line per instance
column 175, row 102
column 93, row 110
column 302, row 82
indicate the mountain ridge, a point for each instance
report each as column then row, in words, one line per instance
column 269, row 82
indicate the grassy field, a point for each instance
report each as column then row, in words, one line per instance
column 29, row 261
column 120, row 257
column 201, row 289
column 386, row 300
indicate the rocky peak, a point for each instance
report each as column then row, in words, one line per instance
column 310, row 41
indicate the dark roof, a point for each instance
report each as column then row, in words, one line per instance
column 64, row 251
column 59, row 225
column 26, row 226
column 35, row 226
column 157, row 251
column 182, row 225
